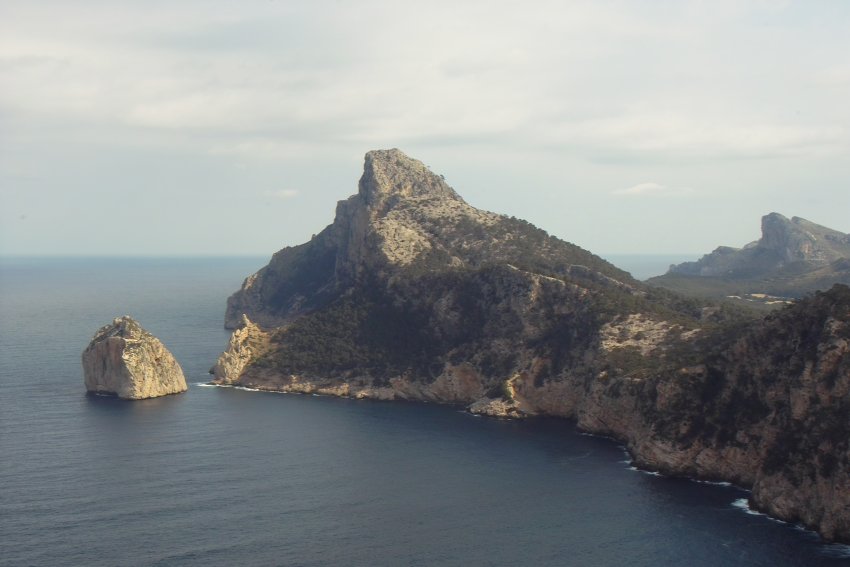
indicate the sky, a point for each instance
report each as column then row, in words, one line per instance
column 226, row 128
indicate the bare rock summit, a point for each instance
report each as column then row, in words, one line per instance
column 125, row 360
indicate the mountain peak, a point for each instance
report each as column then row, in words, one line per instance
column 406, row 222
column 391, row 173
column 775, row 217
column 800, row 240
column 793, row 256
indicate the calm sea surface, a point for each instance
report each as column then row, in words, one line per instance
column 228, row 477
column 646, row 266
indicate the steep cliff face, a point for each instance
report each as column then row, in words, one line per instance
column 246, row 344
column 413, row 293
column 404, row 220
column 793, row 257
column 416, row 295
column 767, row 407
column 125, row 360
column 797, row 364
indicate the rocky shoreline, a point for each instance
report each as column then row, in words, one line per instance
column 746, row 504
column 738, row 449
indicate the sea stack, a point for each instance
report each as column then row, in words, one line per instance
column 125, row 360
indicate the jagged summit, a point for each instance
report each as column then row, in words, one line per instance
column 784, row 243
column 403, row 219
column 391, row 173
column 793, row 256
column 800, row 240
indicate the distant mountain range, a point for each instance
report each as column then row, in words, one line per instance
column 793, row 257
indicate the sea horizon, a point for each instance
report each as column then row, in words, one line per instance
column 641, row 266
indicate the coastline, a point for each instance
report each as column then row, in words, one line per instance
column 746, row 505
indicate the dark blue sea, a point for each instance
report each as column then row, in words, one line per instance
column 221, row 476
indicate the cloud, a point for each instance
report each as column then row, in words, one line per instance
column 463, row 72
column 650, row 188
column 282, row 194
column 270, row 148
column 746, row 96
column 640, row 189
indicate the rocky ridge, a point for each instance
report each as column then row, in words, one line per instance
column 125, row 360
column 413, row 294
column 403, row 220
column 793, row 257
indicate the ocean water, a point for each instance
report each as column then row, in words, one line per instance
column 221, row 476
column 645, row 266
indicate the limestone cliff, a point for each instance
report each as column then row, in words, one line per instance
column 793, row 257
column 125, row 360
column 246, row 344
column 413, row 294
column 767, row 407
column 403, row 220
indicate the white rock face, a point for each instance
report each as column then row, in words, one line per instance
column 246, row 345
column 640, row 331
column 125, row 360
column 390, row 223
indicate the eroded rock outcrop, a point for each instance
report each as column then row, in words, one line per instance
column 247, row 344
column 125, row 360
column 767, row 408
column 784, row 242
column 413, row 294
column 793, row 257
column 403, row 220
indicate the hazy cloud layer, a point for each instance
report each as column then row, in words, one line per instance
column 652, row 189
column 282, row 193
column 647, row 188
column 534, row 110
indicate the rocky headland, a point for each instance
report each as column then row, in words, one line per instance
column 413, row 294
column 126, row 361
column 793, row 257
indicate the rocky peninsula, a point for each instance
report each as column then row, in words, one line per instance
column 793, row 257
column 126, row 361
column 411, row 293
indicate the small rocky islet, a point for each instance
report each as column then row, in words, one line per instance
column 126, row 361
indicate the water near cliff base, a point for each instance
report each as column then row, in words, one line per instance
column 227, row 477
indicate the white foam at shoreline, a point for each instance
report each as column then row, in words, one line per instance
column 838, row 550
column 744, row 504
column 243, row 388
column 713, row 482
column 651, row 473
